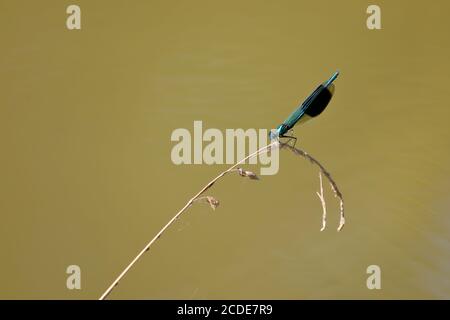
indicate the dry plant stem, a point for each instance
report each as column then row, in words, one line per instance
column 333, row 184
column 324, row 205
column 179, row 213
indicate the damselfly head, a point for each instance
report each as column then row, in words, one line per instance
column 275, row 133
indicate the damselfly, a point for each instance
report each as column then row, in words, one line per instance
column 310, row 108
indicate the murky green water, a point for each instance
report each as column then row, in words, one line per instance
column 86, row 174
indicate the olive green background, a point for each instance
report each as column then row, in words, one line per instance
column 86, row 176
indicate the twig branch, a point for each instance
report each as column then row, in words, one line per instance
column 333, row 184
column 214, row 203
column 324, row 205
column 188, row 204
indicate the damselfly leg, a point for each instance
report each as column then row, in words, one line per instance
column 291, row 138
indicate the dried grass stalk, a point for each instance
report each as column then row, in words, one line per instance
column 213, row 202
column 324, row 205
column 334, row 187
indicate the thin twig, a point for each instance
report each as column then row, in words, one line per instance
column 213, row 202
column 333, row 184
column 179, row 213
column 324, row 205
